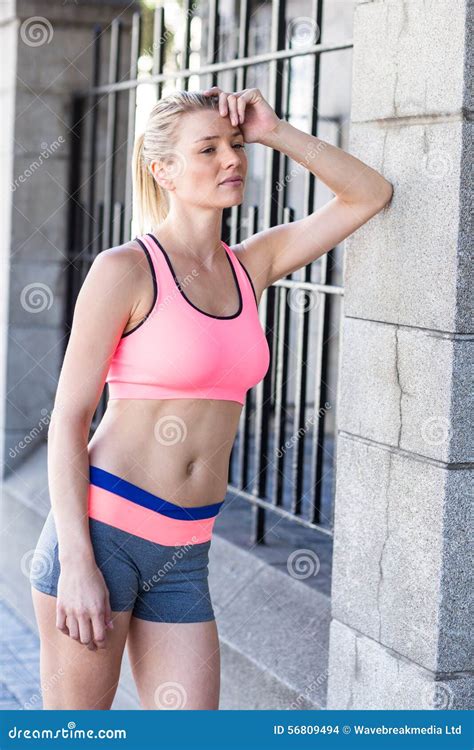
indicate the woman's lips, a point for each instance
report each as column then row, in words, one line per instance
column 233, row 182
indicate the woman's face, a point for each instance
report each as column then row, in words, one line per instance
column 200, row 163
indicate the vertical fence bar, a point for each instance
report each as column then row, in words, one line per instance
column 282, row 211
column 111, row 139
column 75, row 218
column 94, row 113
column 183, row 82
column 321, row 328
column 158, row 46
column 212, row 41
column 244, row 25
column 117, row 233
column 262, row 416
column 132, row 101
column 321, row 390
column 297, row 454
column 304, row 318
column 239, row 83
column 281, row 380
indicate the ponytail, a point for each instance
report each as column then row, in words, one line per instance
column 149, row 198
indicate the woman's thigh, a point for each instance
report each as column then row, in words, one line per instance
column 175, row 665
column 72, row 677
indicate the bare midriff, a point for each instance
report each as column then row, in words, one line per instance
column 178, row 449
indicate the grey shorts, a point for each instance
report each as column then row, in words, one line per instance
column 162, row 583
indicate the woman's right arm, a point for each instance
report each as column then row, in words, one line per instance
column 104, row 305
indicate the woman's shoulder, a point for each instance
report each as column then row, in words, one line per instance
column 127, row 263
column 127, row 254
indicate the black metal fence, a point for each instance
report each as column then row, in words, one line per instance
column 283, row 458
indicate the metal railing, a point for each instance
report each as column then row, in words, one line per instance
column 100, row 217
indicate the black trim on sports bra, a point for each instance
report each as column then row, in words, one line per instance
column 237, row 285
column 155, row 288
column 251, row 282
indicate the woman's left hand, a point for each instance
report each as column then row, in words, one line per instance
column 247, row 109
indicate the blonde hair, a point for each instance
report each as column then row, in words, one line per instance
column 151, row 202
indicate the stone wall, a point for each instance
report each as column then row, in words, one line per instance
column 399, row 630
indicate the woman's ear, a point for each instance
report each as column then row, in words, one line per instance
column 161, row 175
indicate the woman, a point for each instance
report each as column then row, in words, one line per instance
column 170, row 321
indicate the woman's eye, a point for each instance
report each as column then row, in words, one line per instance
column 208, row 150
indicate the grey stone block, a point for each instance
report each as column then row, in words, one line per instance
column 365, row 675
column 37, row 294
column 406, row 388
column 404, row 55
column 455, row 643
column 405, row 259
column 393, row 579
column 33, row 366
column 20, row 445
column 40, row 224
column 53, row 66
column 40, row 122
column 79, row 13
column 465, row 285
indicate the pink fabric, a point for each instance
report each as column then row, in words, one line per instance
column 180, row 352
column 124, row 514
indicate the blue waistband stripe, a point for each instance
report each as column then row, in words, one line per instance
column 113, row 483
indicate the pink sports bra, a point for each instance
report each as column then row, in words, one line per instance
column 180, row 351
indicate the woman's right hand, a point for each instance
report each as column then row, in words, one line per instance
column 83, row 605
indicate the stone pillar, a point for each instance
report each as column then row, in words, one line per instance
column 399, row 630
column 48, row 47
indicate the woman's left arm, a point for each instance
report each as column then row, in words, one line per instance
column 350, row 179
column 360, row 193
